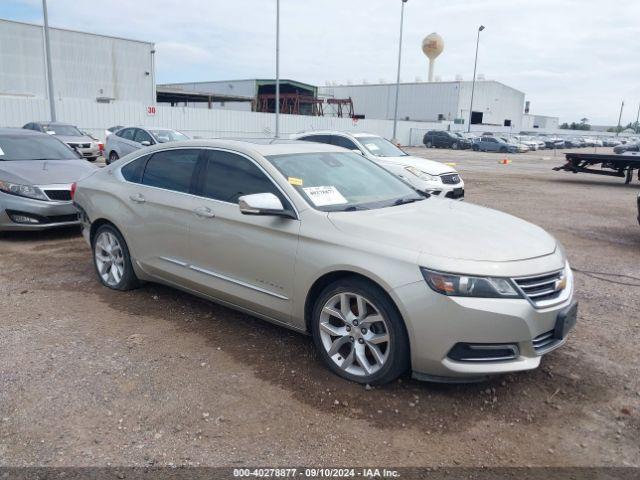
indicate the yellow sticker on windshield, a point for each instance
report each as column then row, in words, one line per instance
column 295, row 181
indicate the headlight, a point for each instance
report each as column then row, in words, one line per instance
column 29, row 191
column 422, row 175
column 467, row 286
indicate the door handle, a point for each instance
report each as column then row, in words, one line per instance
column 204, row 212
column 138, row 198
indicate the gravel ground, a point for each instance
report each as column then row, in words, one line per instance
column 154, row 376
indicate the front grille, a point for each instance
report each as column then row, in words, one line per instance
column 63, row 218
column 542, row 288
column 450, row 178
column 59, row 195
column 544, row 341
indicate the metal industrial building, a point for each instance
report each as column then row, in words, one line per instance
column 494, row 103
column 84, row 65
column 258, row 95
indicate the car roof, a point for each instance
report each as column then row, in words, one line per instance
column 260, row 146
column 53, row 123
column 19, row 131
column 337, row 132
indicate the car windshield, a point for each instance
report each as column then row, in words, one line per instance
column 163, row 136
column 64, row 130
column 33, row 147
column 381, row 147
column 336, row 181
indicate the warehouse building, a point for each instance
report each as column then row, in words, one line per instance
column 494, row 103
column 256, row 95
column 84, row 65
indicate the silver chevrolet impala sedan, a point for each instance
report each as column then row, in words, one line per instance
column 321, row 240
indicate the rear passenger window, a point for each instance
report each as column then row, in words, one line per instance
column 127, row 133
column 229, row 176
column 171, row 169
column 132, row 171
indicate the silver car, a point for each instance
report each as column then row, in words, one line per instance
column 324, row 241
column 428, row 176
column 127, row 140
column 86, row 146
column 36, row 174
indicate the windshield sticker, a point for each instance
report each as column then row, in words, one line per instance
column 372, row 146
column 323, row 196
column 295, row 181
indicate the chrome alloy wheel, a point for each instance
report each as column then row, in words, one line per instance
column 109, row 258
column 354, row 334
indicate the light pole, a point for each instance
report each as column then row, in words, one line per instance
column 52, row 101
column 620, row 119
column 473, row 85
column 277, row 68
column 395, row 112
column 637, row 119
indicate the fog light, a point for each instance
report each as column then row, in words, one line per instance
column 483, row 352
column 18, row 218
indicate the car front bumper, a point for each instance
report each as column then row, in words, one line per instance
column 47, row 214
column 442, row 190
column 436, row 323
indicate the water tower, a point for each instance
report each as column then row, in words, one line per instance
column 432, row 46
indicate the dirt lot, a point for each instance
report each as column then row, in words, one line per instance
column 89, row 376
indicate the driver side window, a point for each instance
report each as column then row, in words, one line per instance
column 228, row 176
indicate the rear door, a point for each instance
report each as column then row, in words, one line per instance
column 163, row 201
column 247, row 260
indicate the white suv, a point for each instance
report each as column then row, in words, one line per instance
column 424, row 175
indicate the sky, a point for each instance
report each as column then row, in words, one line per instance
column 573, row 58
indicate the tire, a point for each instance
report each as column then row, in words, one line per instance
column 475, row 148
column 112, row 260
column 503, row 150
column 455, row 146
column 92, row 159
column 429, row 144
column 360, row 353
column 113, row 156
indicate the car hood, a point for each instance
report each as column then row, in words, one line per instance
column 75, row 139
column 45, row 172
column 444, row 228
column 429, row 166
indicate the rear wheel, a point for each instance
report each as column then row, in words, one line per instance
column 112, row 260
column 113, row 156
column 359, row 333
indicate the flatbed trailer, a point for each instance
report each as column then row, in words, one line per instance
column 612, row 165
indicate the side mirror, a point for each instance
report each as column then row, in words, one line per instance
column 145, row 143
column 263, row 204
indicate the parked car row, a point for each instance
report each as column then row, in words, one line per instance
column 328, row 236
column 520, row 143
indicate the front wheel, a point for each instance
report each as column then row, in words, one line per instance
column 503, row 150
column 359, row 333
column 112, row 260
column 429, row 145
column 476, row 148
column 455, row 146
